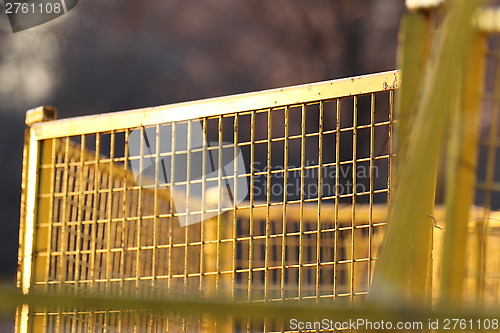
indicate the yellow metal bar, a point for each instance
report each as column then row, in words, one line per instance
column 370, row 246
column 302, row 195
column 251, row 226
column 27, row 228
column 377, row 213
column 461, row 174
column 22, row 311
column 299, row 310
column 423, row 4
column 482, row 286
column 336, row 240
column 40, row 114
column 488, row 186
column 320, row 194
column 218, row 106
column 209, row 267
column 32, row 156
column 234, row 221
column 415, row 44
column 352, row 245
column 284, row 210
column 268, row 204
column 488, row 20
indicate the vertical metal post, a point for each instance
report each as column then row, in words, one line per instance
column 461, row 174
column 31, row 157
column 415, row 44
column 209, row 254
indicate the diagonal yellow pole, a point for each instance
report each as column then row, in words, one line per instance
column 415, row 45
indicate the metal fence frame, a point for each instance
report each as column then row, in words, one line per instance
column 44, row 126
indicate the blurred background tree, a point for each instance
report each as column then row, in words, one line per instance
column 116, row 55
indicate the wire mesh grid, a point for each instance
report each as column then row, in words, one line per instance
column 313, row 190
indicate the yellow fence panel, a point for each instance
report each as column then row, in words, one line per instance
column 98, row 220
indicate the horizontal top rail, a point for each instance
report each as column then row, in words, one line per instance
column 488, row 19
column 293, row 95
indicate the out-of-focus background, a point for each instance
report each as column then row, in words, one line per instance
column 114, row 55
